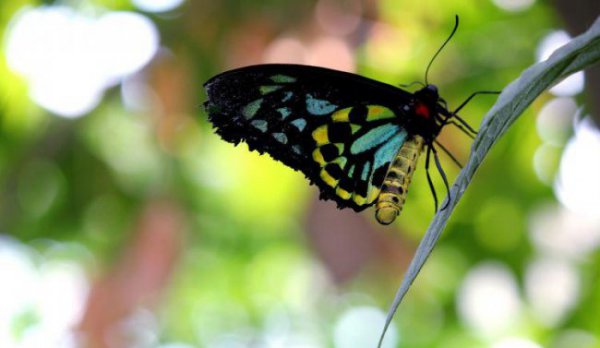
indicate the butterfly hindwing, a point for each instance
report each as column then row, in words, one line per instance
column 341, row 130
column 354, row 157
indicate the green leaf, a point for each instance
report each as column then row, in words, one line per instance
column 579, row 53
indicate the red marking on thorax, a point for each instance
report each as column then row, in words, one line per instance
column 422, row 110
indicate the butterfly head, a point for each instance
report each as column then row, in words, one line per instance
column 429, row 93
column 430, row 111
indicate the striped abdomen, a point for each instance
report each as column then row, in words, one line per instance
column 395, row 185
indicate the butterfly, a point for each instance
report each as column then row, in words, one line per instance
column 356, row 138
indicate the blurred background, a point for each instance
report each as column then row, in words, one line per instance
column 125, row 222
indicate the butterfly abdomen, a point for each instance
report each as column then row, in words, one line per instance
column 395, row 185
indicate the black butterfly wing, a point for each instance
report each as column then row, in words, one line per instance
column 341, row 130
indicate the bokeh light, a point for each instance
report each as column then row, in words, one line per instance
column 577, row 186
column 563, row 233
column 41, row 299
column 157, row 5
column 555, row 120
column 127, row 41
column 572, row 84
column 514, row 5
column 552, row 289
column 488, row 300
column 70, row 58
column 515, row 342
column 554, row 125
column 361, row 327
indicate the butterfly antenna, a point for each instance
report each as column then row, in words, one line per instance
column 441, row 48
column 443, row 174
column 406, row 85
column 449, row 154
column 431, row 187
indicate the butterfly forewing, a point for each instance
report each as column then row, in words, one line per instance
column 341, row 130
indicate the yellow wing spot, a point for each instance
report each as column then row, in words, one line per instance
column 318, row 156
column 328, row 179
column 378, row 112
column 340, row 147
column 358, row 199
column 376, row 109
column 354, row 127
column 373, row 194
column 341, row 115
column 320, row 135
column 343, row 194
column 341, row 161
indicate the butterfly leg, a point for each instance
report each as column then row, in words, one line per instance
column 468, row 131
column 427, row 161
column 449, row 154
column 443, row 174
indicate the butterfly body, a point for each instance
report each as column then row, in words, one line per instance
column 357, row 139
column 395, row 185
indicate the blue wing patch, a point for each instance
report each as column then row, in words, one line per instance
column 319, row 107
column 373, row 138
